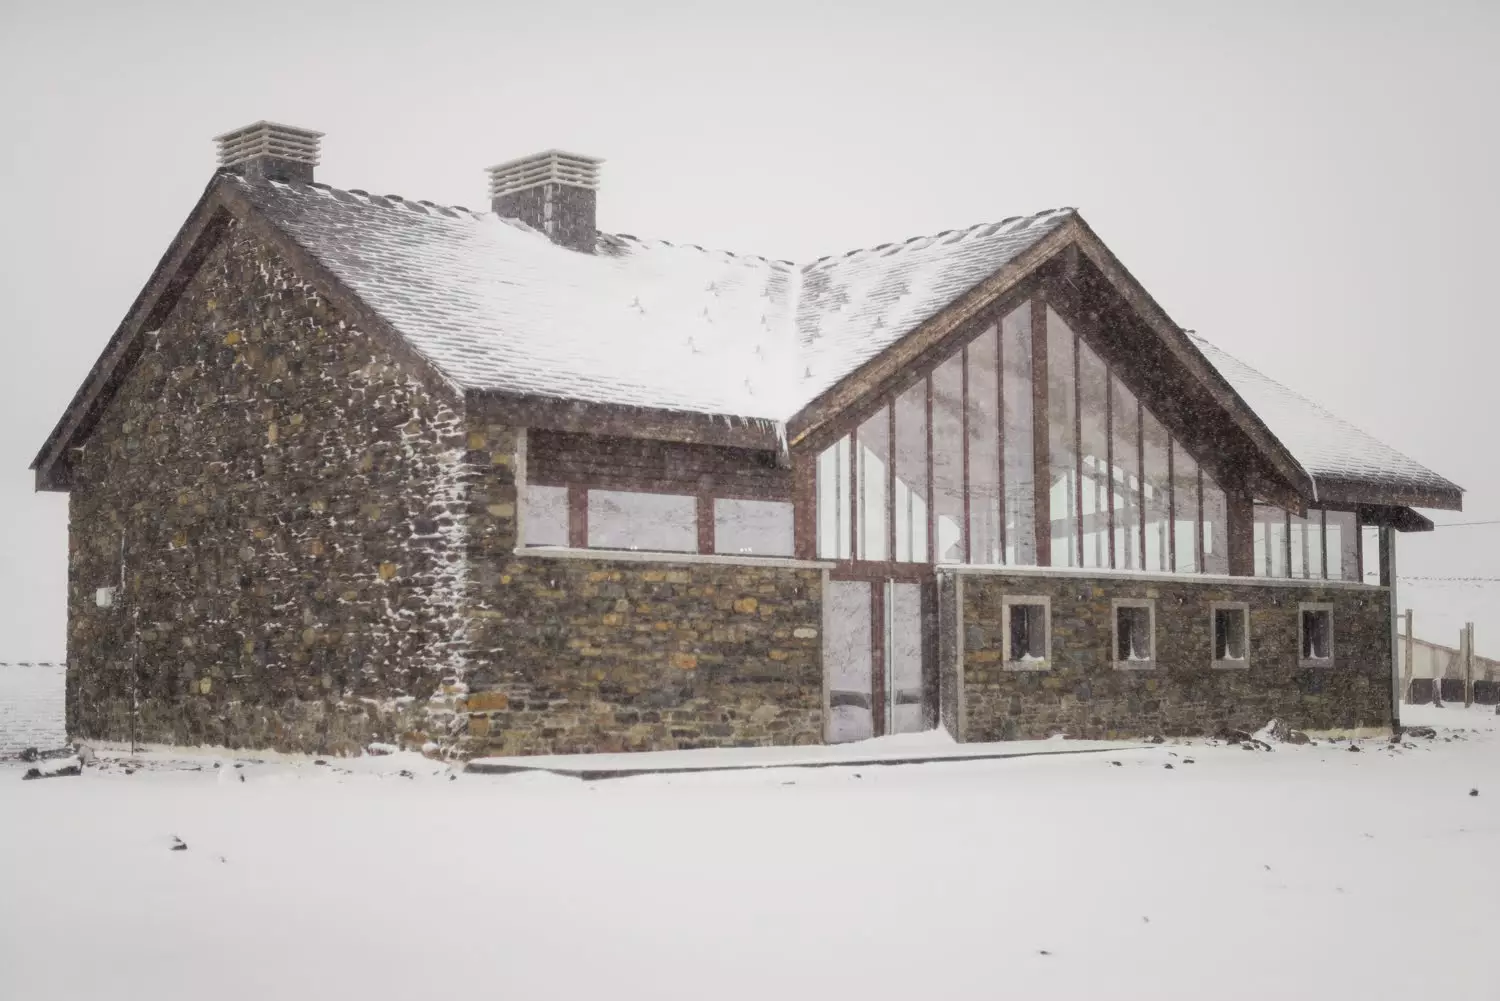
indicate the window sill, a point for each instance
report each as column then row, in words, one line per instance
column 1135, row 665
column 1324, row 663
column 1231, row 665
column 652, row 556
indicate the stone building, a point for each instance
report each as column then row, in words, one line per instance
column 356, row 467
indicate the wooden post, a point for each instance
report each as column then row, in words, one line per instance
column 1406, row 673
column 1468, row 664
column 1040, row 435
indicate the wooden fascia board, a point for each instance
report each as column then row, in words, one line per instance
column 890, row 363
column 555, row 414
column 1402, row 519
column 1340, row 491
column 196, row 237
column 1191, row 358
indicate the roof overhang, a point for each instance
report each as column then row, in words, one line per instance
column 1071, row 238
column 620, row 420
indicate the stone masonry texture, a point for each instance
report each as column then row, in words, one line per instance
column 578, row 655
column 283, row 503
column 1085, row 695
column 314, row 550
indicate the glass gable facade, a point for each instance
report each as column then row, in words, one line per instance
column 1121, row 493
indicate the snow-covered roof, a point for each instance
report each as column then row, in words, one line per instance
column 495, row 305
column 1327, row 447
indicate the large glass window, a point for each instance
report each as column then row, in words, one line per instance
column 1093, row 448
column 1369, row 551
column 910, row 502
column 948, row 459
column 834, row 490
column 1155, row 444
column 1126, row 420
column 984, row 449
column 1185, row 512
column 752, row 527
column 1270, row 541
column 1020, row 448
column 621, row 519
column 1215, row 528
column 1062, row 441
column 1341, row 541
column 544, row 518
column 947, row 471
column 873, row 444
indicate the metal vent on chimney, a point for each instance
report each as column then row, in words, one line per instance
column 554, row 192
column 267, row 150
column 551, row 167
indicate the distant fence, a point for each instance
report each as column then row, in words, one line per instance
column 31, row 705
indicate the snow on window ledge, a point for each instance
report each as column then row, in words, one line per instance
column 645, row 556
column 1027, row 663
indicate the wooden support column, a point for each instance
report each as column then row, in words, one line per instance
column 1410, row 647
column 1240, row 514
column 877, row 657
column 805, row 505
column 1468, row 664
column 578, row 517
column 968, row 533
column 1040, row 438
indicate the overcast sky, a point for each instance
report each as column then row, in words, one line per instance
column 1312, row 186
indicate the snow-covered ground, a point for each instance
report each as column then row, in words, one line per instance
column 31, row 706
column 1309, row 871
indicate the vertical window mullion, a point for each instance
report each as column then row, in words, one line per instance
column 1109, row 460
column 1000, row 530
column 1198, row 528
column 890, row 481
column 964, row 428
column 1078, row 446
column 1171, row 555
column 1140, row 466
column 856, row 484
column 932, row 492
column 1287, row 543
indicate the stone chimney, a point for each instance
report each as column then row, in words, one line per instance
column 553, row 192
column 266, row 151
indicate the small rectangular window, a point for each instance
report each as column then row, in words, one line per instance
column 1231, row 635
column 544, row 516
column 1315, row 634
column 620, row 519
column 1027, row 627
column 1135, row 633
column 752, row 527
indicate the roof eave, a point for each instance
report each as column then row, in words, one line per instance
column 624, row 420
column 1344, row 491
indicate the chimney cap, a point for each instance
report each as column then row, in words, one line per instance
column 268, row 139
column 553, row 166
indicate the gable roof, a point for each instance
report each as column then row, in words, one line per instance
column 497, row 307
column 1334, row 452
column 489, row 305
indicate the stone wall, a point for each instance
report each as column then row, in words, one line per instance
column 578, row 655
column 612, row 654
column 1085, row 695
column 290, row 503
